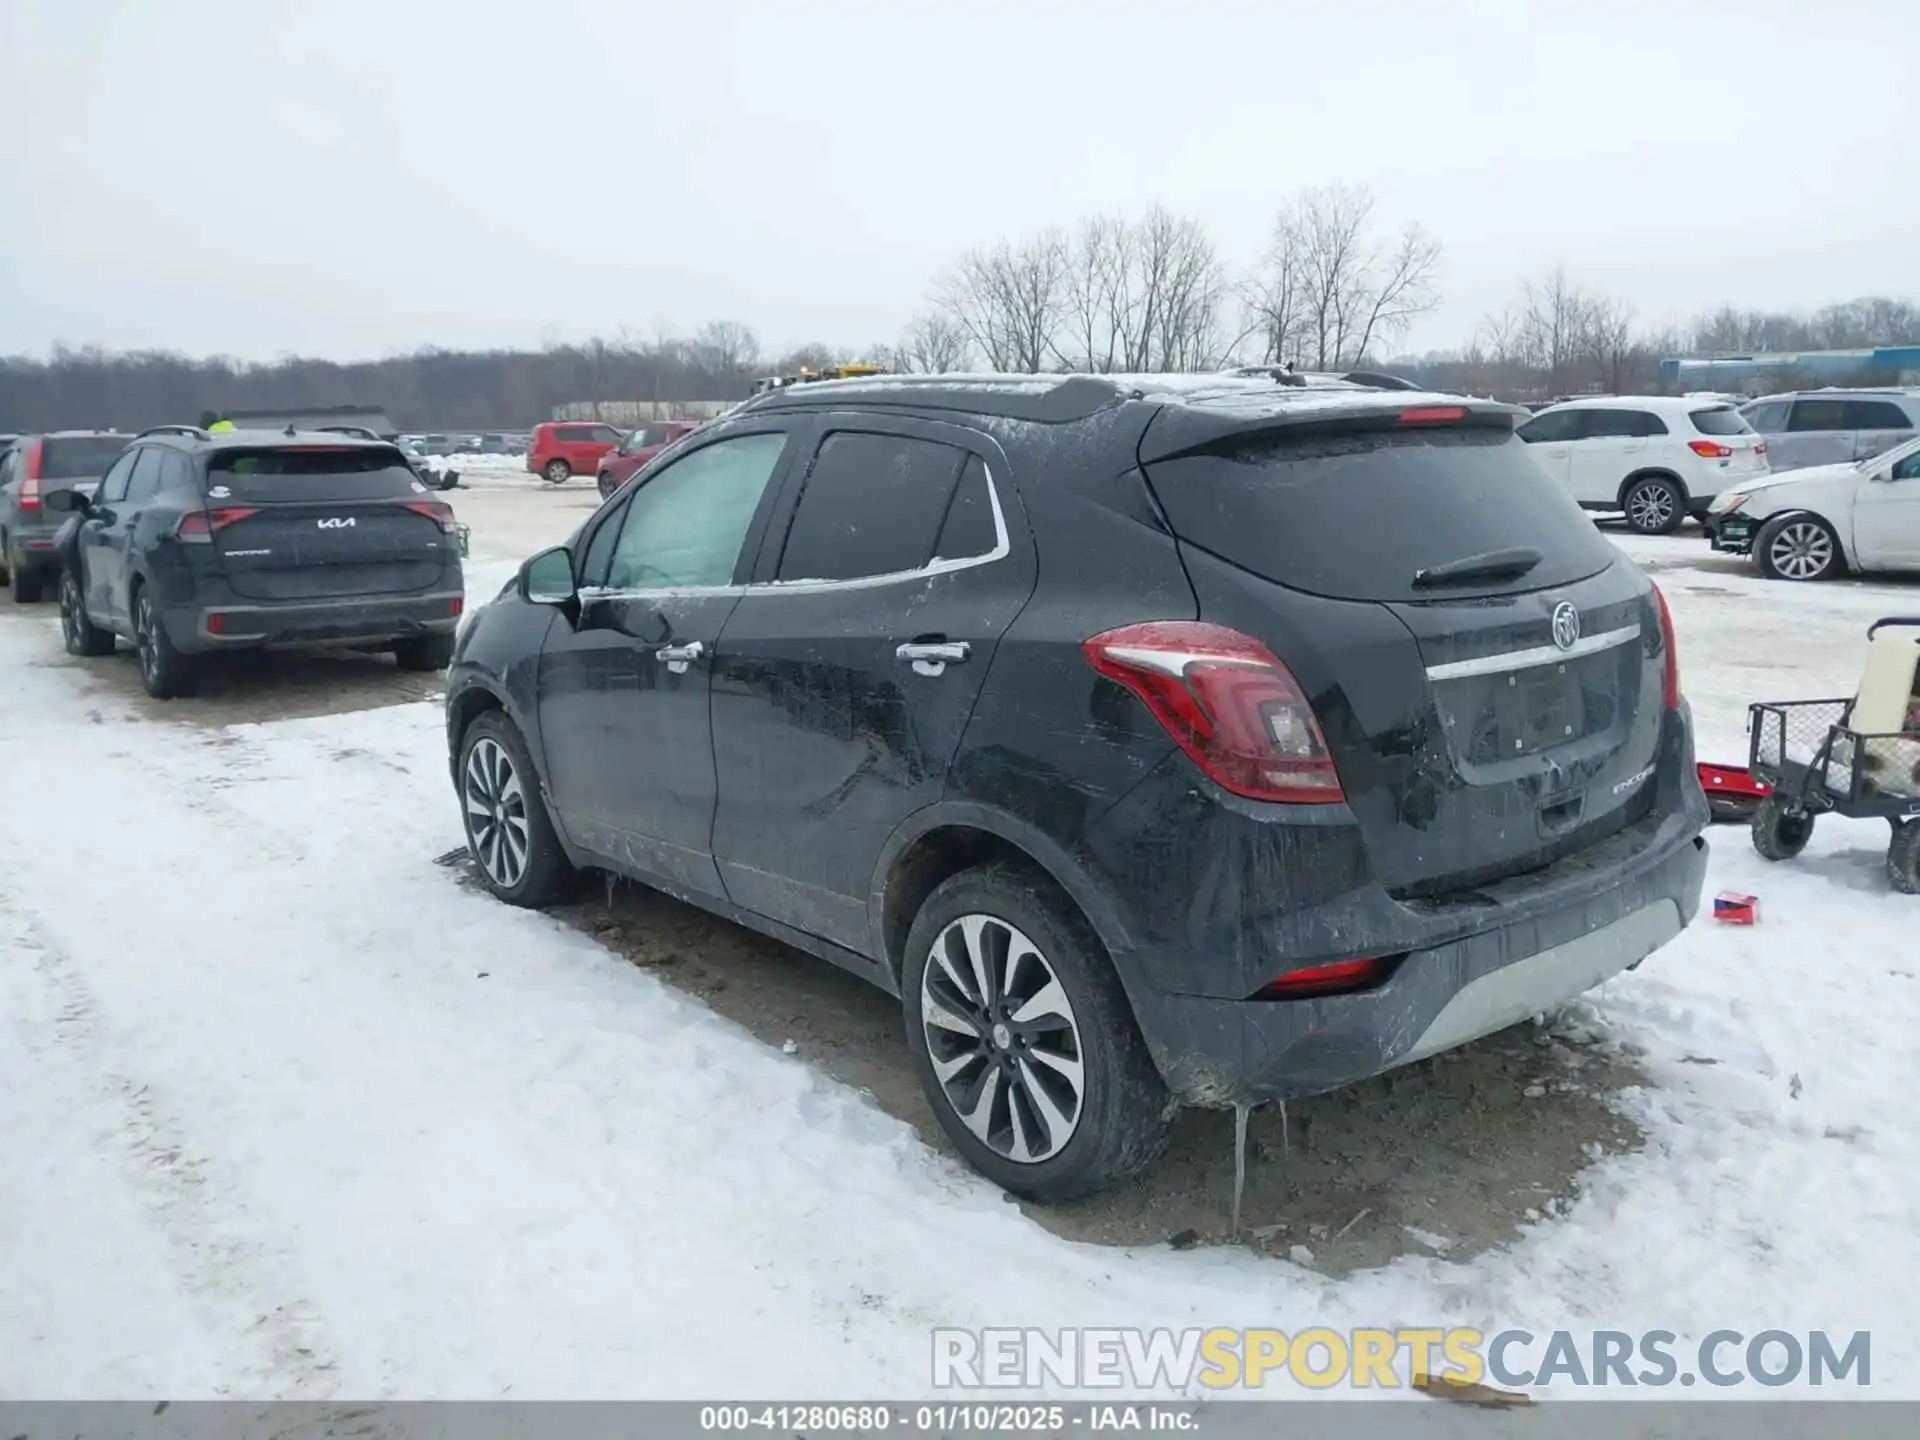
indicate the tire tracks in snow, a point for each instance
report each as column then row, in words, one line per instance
column 216, row 1263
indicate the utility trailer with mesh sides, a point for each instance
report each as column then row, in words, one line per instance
column 1857, row 757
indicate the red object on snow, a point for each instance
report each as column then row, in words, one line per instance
column 1732, row 780
column 1731, row 908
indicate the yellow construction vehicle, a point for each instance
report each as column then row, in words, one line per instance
column 807, row 375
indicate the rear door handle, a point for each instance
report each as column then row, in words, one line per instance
column 677, row 657
column 933, row 657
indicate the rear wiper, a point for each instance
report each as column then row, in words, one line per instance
column 1490, row 566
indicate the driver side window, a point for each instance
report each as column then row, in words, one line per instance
column 686, row 526
column 1907, row 468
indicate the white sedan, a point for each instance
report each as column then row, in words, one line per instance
column 1825, row 520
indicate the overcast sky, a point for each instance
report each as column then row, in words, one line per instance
column 355, row 177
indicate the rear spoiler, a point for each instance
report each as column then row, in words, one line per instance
column 1180, row 429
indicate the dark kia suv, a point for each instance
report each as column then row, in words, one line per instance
column 197, row 543
column 1199, row 739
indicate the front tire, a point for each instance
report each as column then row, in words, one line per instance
column 1024, row 1041
column 1798, row 547
column 165, row 673
column 83, row 637
column 1654, row 506
column 509, row 834
column 424, row 653
column 1779, row 831
column 556, row 472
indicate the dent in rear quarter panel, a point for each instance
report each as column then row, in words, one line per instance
column 1051, row 743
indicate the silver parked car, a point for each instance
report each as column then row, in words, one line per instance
column 32, row 468
column 1833, row 427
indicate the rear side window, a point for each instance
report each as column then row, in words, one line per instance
column 1355, row 516
column 872, row 505
column 969, row 530
column 1876, row 415
column 573, row 434
column 311, row 473
column 1719, row 420
column 79, row 457
column 147, row 466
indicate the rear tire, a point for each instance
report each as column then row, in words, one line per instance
column 1002, row 1087
column 1903, row 859
column 1654, row 506
column 1779, row 831
column 557, row 472
column 424, row 653
column 514, row 848
column 1798, row 547
column 23, row 581
column 164, row 671
column 6, row 551
column 83, row 637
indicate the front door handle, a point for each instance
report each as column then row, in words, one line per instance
column 933, row 657
column 677, row 657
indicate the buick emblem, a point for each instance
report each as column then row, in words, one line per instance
column 1566, row 625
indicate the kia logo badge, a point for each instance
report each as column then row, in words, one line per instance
column 1566, row 625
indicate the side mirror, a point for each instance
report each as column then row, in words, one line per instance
column 67, row 502
column 547, row 578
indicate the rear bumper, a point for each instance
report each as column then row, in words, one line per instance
column 1465, row 965
column 306, row 624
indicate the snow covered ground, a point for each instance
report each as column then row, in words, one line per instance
column 285, row 1110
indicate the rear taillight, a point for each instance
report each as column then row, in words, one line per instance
column 198, row 527
column 1228, row 702
column 1342, row 977
column 1670, row 678
column 437, row 511
column 1433, row 415
column 30, row 477
column 1710, row 449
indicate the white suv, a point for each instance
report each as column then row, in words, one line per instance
column 1657, row 458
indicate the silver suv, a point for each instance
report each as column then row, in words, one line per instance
column 1826, row 427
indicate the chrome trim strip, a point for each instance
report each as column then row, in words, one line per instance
column 1002, row 547
column 1536, row 656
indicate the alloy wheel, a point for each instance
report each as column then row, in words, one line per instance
column 496, row 813
column 143, row 639
column 1802, row 550
column 1003, row 1039
column 1650, row 508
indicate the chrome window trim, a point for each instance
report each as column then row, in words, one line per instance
column 1534, row 656
column 1002, row 548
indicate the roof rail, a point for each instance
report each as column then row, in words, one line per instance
column 194, row 430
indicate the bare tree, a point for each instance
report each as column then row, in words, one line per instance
column 932, row 345
column 1141, row 295
column 1274, row 296
column 1008, row 300
column 1607, row 340
column 1554, row 324
column 725, row 346
column 1355, row 290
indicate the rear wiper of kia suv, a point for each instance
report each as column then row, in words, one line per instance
column 1490, row 566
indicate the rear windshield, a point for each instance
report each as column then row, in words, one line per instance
column 1356, row 516
column 1720, row 420
column 79, row 457
column 311, row 473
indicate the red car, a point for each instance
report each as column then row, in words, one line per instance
column 637, row 449
column 561, row 448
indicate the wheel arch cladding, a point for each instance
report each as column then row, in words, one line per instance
column 465, row 708
column 1655, row 473
column 920, row 859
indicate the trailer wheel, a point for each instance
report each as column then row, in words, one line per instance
column 1903, row 858
column 1780, row 832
